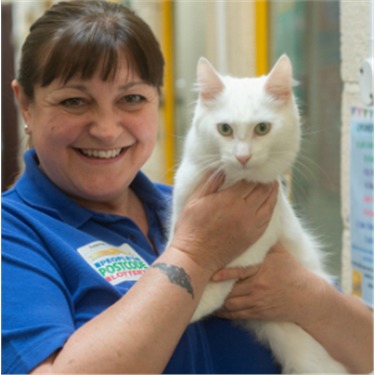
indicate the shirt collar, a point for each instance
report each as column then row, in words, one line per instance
column 37, row 190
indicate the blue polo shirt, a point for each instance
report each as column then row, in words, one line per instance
column 63, row 264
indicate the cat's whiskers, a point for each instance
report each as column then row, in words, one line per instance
column 209, row 163
column 307, row 171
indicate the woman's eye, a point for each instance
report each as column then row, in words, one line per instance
column 263, row 128
column 225, row 129
column 73, row 103
column 134, row 98
column 132, row 102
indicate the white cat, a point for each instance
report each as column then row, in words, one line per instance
column 249, row 128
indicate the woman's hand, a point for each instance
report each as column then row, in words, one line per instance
column 277, row 289
column 217, row 226
column 282, row 289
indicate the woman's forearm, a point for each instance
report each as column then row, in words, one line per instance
column 343, row 325
column 139, row 333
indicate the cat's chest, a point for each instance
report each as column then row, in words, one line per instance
column 275, row 230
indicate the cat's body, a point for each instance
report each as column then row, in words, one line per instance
column 249, row 128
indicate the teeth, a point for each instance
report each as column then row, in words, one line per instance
column 101, row 154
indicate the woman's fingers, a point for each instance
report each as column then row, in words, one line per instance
column 235, row 273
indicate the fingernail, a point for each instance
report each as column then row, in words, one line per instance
column 217, row 276
column 220, row 174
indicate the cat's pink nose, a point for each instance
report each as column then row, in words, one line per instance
column 243, row 159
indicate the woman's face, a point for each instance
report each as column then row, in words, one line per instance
column 92, row 137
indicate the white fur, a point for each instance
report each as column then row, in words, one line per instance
column 243, row 103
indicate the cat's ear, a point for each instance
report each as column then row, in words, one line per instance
column 280, row 80
column 209, row 83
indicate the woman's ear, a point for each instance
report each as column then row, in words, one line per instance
column 23, row 101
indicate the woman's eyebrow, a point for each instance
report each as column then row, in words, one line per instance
column 85, row 88
column 71, row 86
column 130, row 85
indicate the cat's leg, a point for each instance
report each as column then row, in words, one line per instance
column 213, row 298
column 296, row 350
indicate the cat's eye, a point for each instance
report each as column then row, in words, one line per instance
column 263, row 128
column 225, row 129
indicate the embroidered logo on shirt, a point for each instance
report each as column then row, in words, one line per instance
column 115, row 264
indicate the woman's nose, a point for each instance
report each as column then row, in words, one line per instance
column 106, row 126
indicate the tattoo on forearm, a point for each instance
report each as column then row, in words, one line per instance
column 176, row 275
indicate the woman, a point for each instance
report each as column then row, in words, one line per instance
column 87, row 284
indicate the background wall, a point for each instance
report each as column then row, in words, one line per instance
column 309, row 32
column 356, row 24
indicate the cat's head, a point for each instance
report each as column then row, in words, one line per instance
column 249, row 126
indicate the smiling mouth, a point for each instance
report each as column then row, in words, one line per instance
column 101, row 154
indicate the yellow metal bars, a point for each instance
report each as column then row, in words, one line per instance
column 167, row 46
column 261, row 37
column 261, row 67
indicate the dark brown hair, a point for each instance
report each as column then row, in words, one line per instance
column 80, row 38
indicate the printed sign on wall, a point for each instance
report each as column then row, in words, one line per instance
column 362, row 203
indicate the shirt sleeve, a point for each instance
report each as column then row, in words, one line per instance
column 36, row 307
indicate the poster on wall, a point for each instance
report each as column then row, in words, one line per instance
column 362, row 203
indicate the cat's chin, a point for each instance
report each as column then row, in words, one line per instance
column 257, row 175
